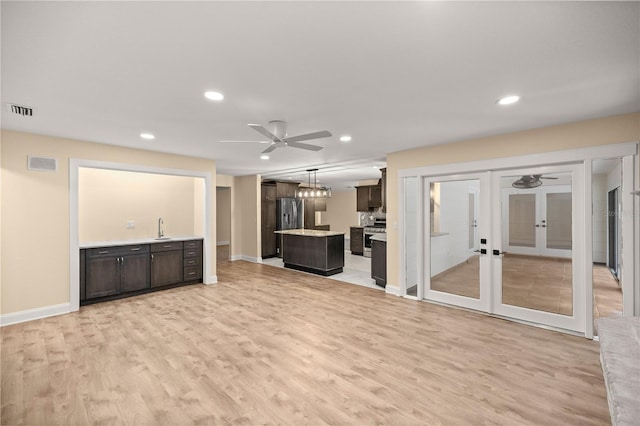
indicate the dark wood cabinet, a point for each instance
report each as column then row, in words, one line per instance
column 268, row 217
column 83, row 273
column 356, row 240
column 134, row 271
column 368, row 197
column 379, row 262
column 103, row 276
column 321, row 204
column 120, row 271
column 286, row 189
column 192, row 260
column 166, row 263
column 114, row 270
column 309, row 214
column 383, row 189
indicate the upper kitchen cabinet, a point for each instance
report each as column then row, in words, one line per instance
column 369, row 197
column 269, row 193
column 384, row 189
column 286, row 189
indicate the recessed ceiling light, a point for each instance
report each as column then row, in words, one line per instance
column 508, row 100
column 345, row 138
column 214, row 96
column 147, row 136
column 264, row 157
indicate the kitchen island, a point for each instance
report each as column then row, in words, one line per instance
column 315, row 251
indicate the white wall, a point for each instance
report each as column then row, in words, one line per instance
column 452, row 249
column 599, row 195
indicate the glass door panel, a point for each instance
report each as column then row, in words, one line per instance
column 534, row 275
column 454, row 274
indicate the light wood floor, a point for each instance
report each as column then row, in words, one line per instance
column 535, row 282
column 273, row 346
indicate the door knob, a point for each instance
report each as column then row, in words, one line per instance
column 498, row 252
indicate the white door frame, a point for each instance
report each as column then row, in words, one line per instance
column 627, row 151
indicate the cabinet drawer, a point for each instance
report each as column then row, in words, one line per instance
column 117, row 251
column 192, row 261
column 192, row 253
column 192, row 273
column 193, row 244
column 167, row 246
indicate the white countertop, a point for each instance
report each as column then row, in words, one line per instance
column 381, row 236
column 310, row 232
column 112, row 243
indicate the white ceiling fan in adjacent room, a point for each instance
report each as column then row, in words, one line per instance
column 529, row 181
column 278, row 137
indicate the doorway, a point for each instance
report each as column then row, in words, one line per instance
column 494, row 273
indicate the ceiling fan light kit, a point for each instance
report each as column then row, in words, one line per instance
column 314, row 191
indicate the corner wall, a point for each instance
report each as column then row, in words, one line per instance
column 35, row 210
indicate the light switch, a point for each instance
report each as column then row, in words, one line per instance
column 131, row 224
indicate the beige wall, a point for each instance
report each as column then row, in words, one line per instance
column 35, row 212
column 246, row 207
column 341, row 211
column 223, row 215
column 109, row 199
column 603, row 131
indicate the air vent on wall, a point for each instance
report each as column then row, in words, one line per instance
column 42, row 164
column 22, row 110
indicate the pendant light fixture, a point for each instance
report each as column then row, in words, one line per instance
column 314, row 191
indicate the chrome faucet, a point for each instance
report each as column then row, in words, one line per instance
column 160, row 230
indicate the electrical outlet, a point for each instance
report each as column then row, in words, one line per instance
column 131, row 224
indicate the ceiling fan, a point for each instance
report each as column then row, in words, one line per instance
column 278, row 137
column 529, row 181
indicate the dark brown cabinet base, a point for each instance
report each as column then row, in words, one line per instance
column 108, row 273
column 379, row 262
column 318, row 255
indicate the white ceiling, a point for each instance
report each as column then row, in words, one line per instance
column 393, row 75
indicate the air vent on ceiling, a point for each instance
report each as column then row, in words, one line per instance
column 22, row 110
column 42, row 164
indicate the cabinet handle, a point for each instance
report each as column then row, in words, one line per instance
column 152, row 258
column 135, row 249
column 103, row 252
column 167, row 246
column 191, row 273
column 190, row 253
column 122, row 259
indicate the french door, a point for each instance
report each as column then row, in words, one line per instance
column 537, row 221
column 507, row 250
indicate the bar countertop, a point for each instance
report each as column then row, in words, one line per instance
column 310, row 232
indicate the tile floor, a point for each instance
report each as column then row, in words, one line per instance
column 357, row 270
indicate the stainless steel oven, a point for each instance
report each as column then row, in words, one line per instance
column 379, row 226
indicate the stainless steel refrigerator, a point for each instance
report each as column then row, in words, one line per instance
column 289, row 215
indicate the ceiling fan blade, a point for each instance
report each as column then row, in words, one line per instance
column 245, row 141
column 269, row 149
column 307, row 136
column 264, row 132
column 304, row 146
column 542, row 177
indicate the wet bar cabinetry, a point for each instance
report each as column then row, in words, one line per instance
column 111, row 272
